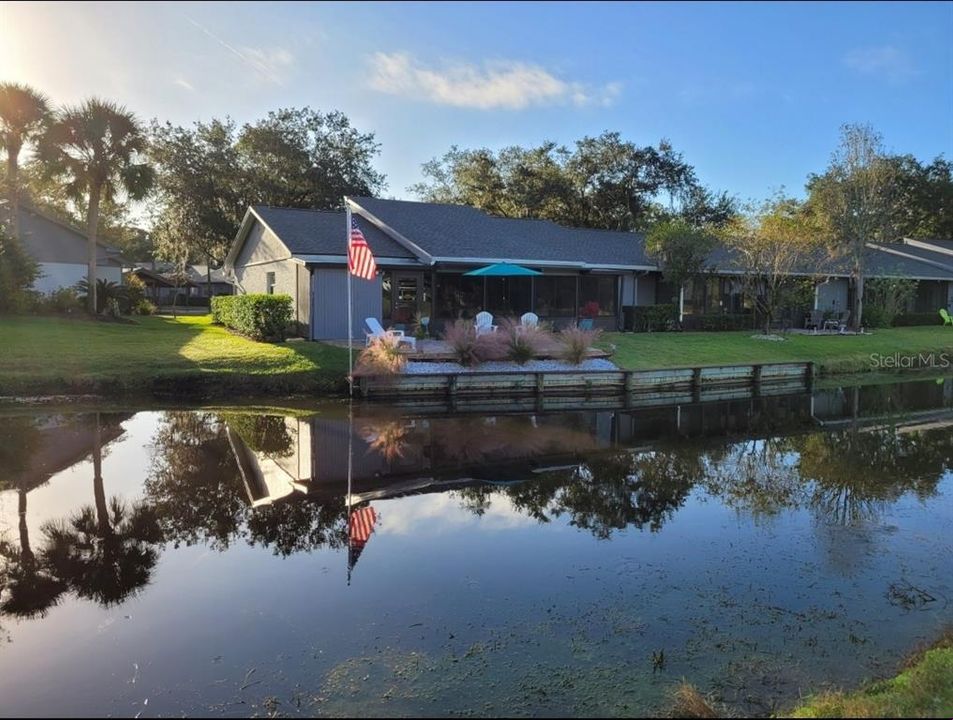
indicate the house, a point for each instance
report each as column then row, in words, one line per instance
column 424, row 249
column 199, row 276
column 162, row 287
column 61, row 251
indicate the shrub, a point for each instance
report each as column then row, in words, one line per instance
column 144, row 307
column 576, row 343
column 908, row 319
column 381, row 357
column 718, row 321
column 461, row 336
column 18, row 271
column 257, row 316
column 886, row 298
column 652, row 318
column 61, row 302
column 518, row 343
column 106, row 291
column 262, row 433
column 468, row 349
column 135, row 292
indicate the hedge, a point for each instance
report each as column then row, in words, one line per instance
column 648, row 318
column 719, row 321
column 257, row 316
column 907, row 319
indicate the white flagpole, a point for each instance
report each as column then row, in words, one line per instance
column 350, row 471
column 350, row 323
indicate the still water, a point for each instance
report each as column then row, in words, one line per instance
column 571, row 563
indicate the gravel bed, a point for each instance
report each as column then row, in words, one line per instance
column 435, row 368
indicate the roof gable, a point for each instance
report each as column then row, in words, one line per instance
column 323, row 232
column 50, row 240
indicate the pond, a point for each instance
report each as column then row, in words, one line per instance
column 583, row 562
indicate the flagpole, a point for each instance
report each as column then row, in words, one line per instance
column 350, row 323
column 350, row 469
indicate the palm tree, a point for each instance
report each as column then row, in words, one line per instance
column 24, row 118
column 95, row 149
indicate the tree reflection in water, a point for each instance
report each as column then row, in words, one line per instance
column 547, row 467
column 193, row 483
column 856, row 472
column 107, row 552
column 29, row 588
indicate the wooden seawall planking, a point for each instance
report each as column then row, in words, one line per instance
column 568, row 383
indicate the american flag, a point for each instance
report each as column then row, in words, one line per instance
column 360, row 525
column 360, row 260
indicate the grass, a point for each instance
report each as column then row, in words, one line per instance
column 190, row 358
column 186, row 357
column 924, row 688
column 832, row 354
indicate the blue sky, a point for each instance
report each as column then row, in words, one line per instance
column 752, row 94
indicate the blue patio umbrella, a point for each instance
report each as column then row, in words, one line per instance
column 502, row 269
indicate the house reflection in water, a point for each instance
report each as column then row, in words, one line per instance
column 399, row 453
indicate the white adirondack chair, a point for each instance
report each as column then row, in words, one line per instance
column 484, row 323
column 375, row 331
column 529, row 320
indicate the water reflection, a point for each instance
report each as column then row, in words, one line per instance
column 652, row 488
column 280, row 482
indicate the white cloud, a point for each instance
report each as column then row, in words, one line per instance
column 184, row 84
column 502, row 84
column 882, row 60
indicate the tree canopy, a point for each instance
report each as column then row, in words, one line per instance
column 603, row 182
column 209, row 173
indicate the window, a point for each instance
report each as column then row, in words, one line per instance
column 509, row 296
column 458, row 296
column 601, row 289
column 386, row 296
column 555, row 296
column 270, row 283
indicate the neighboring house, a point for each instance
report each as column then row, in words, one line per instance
column 424, row 249
column 161, row 289
column 199, row 277
column 60, row 249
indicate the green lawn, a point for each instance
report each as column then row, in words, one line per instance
column 923, row 690
column 185, row 356
column 190, row 358
column 831, row 353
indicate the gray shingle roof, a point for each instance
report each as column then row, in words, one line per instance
column 323, row 232
column 879, row 263
column 51, row 240
column 458, row 231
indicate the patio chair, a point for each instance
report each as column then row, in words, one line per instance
column 947, row 318
column 529, row 320
column 484, row 323
column 842, row 321
column 814, row 320
column 375, row 331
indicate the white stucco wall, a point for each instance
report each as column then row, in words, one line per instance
column 64, row 275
